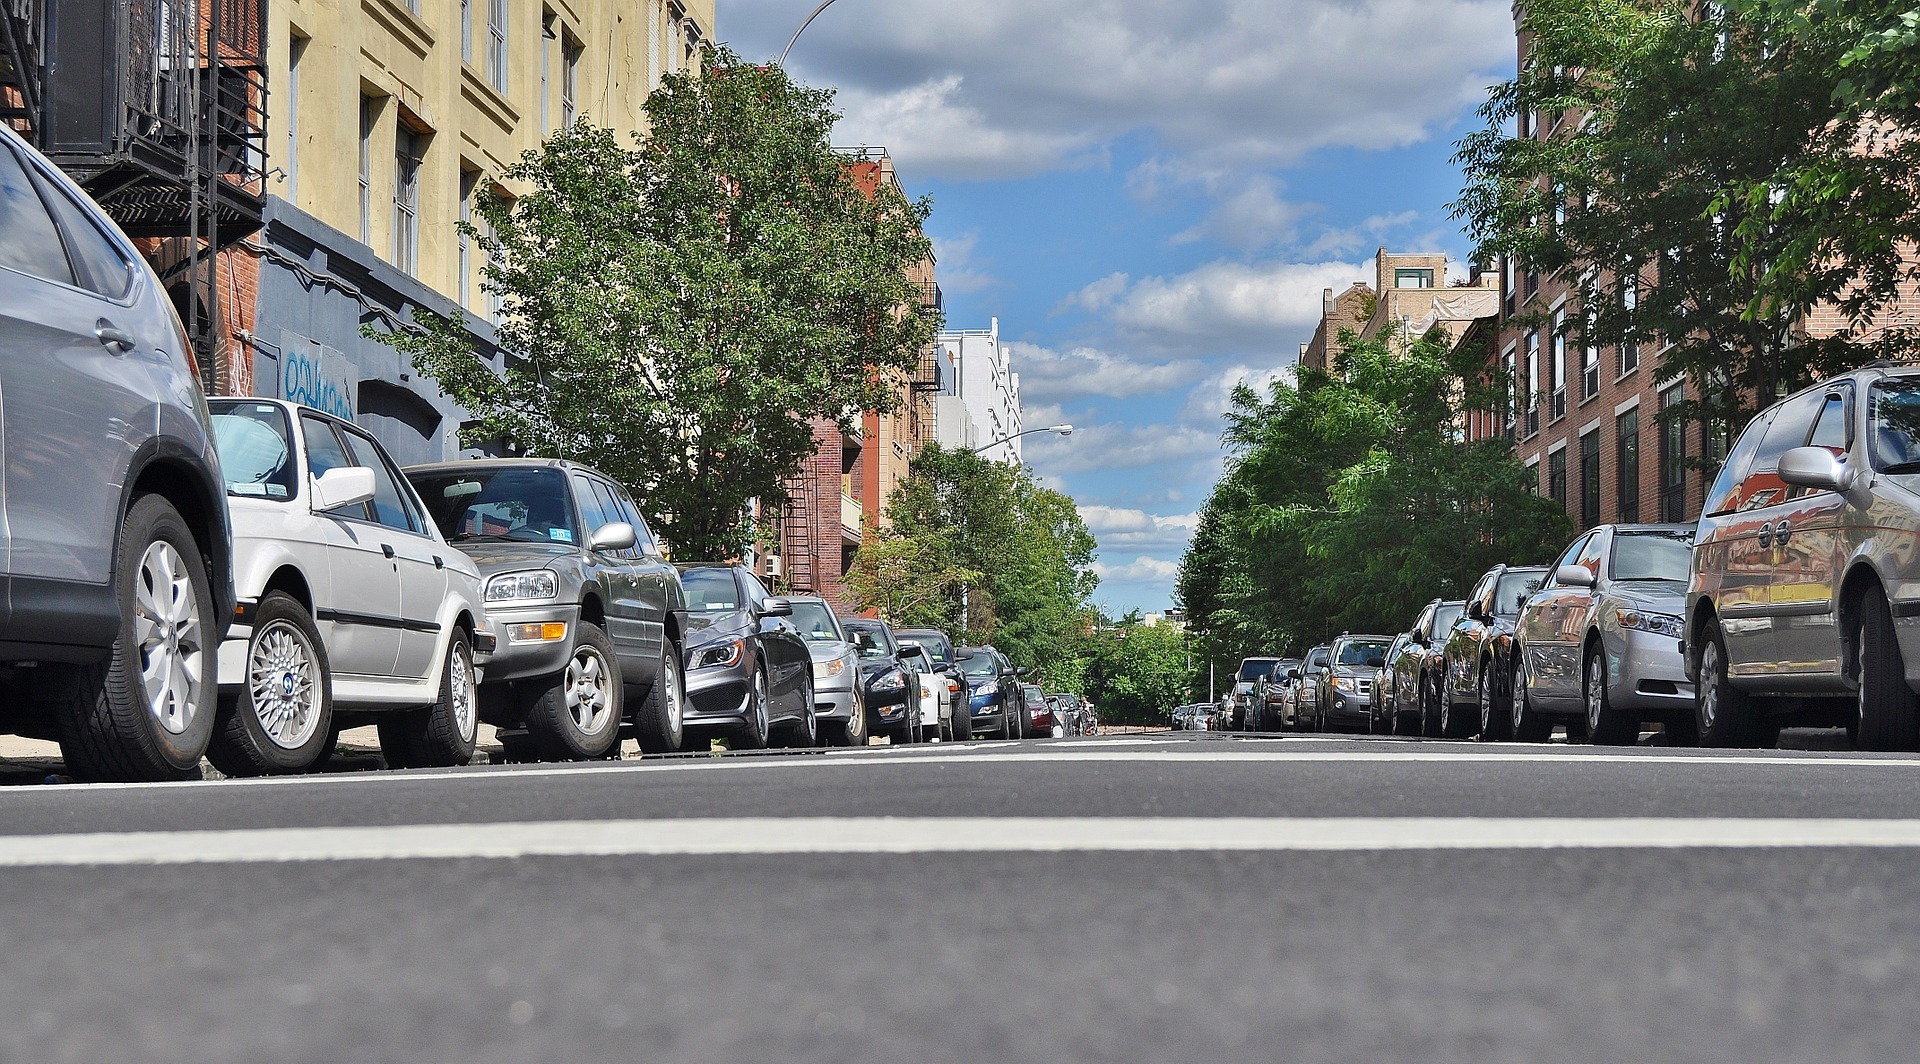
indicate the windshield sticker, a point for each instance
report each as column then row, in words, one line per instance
column 564, row 535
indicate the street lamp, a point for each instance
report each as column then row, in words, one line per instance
column 782, row 61
column 1064, row 430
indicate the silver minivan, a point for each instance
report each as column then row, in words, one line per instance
column 115, row 554
column 1803, row 605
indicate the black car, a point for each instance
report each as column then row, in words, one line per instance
column 890, row 676
column 749, row 672
column 941, row 659
column 994, row 700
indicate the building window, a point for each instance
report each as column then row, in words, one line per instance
column 1557, row 477
column 1590, row 372
column 496, row 302
column 1513, row 391
column 1413, row 278
column 1590, row 479
column 569, row 81
column 1629, row 302
column 1627, row 458
column 407, row 149
column 369, row 115
column 296, row 50
column 546, row 69
column 469, row 180
column 1673, row 456
column 497, row 44
column 1558, row 370
column 1530, row 401
column 466, row 31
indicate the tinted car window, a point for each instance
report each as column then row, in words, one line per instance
column 1254, row 668
column 28, row 241
column 1573, row 550
column 256, row 449
column 1443, row 618
column 1358, row 651
column 869, row 639
column 326, row 452
column 1589, row 558
column 1830, row 428
column 1894, row 414
column 1791, row 425
column 104, row 269
column 593, row 512
column 710, row 590
column 1725, row 493
column 516, row 503
column 390, row 506
column 1513, row 591
column 816, row 622
column 1317, row 658
column 978, row 667
column 643, row 544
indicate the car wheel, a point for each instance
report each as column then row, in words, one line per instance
column 753, row 734
column 659, row 721
column 1886, row 713
column 803, row 734
column 148, row 712
column 1528, row 725
column 1453, row 723
column 1496, row 720
column 1605, row 725
column 443, row 733
column 576, row 716
column 282, row 720
column 853, row 730
column 1723, row 714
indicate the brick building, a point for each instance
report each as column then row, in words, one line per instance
column 1410, row 294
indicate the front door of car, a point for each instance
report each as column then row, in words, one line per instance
column 79, row 400
column 418, row 558
column 1553, row 623
column 653, row 577
column 1810, row 546
column 362, row 604
column 626, row 619
column 1463, row 644
column 1754, row 557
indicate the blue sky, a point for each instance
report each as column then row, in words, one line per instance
column 1150, row 197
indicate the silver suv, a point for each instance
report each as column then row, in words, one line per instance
column 116, row 576
column 1803, row 605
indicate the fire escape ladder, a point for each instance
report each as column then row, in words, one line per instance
column 20, row 69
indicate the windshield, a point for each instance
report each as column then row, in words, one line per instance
column 1894, row 411
column 816, row 622
column 1316, row 658
column 712, row 591
column 978, row 667
column 1651, row 556
column 868, row 639
column 1359, row 650
column 522, row 503
column 255, row 456
column 939, row 650
column 1254, row 668
column 1514, row 589
column 1444, row 616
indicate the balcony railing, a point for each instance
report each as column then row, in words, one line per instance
column 930, row 295
column 850, row 514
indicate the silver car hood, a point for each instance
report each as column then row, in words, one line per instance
column 496, row 556
column 828, row 649
column 1663, row 596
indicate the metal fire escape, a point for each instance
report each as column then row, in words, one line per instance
column 158, row 109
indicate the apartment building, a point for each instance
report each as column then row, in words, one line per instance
column 1410, row 295
column 390, row 117
column 985, row 394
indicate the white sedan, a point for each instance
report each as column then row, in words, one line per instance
column 349, row 602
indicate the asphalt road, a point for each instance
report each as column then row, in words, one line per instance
column 1179, row 898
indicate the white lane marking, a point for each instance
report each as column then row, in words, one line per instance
column 885, row 835
column 1011, row 754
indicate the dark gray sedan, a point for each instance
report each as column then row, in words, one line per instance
column 749, row 673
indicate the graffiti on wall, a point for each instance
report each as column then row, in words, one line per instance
column 317, row 377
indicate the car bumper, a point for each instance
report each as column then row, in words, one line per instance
column 718, row 695
column 1648, row 672
column 515, row 657
column 833, row 704
column 1352, row 710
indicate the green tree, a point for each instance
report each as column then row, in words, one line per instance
column 1137, row 673
column 909, row 581
column 677, row 311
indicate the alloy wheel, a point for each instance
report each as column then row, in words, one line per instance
column 167, row 627
column 1709, row 690
column 281, row 682
column 1596, row 695
column 463, row 688
column 589, row 690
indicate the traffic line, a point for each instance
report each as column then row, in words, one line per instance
column 886, row 835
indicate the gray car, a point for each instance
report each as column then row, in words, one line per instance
column 1343, row 690
column 1803, row 605
column 749, row 673
column 115, row 551
column 591, row 620
column 1601, row 641
column 839, row 699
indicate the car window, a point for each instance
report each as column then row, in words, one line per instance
column 978, row 667
column 869, row 641
column 1513, row 591
column 1444, row 616
column 100, row 265
column 1893, row 413
column 1724, row 495
column 1254, row 668
column 1482, row 589
column 643, row 544
column 1589, row 557
column 326, row 452
column 710, row 590
column 1357, row 651
column 1317, row 658
column 1651, row 556
column 256, row 449
column 524, row 503
column 390, row 505
column 1832, row 428
column 816, row 622
column 1573, row 550
column 28, row 240
column 592, row 507
column 1791, row 425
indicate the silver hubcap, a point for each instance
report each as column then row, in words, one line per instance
column 759, row 703
column 1518, row 707
column 1486, row 699
column 1596, row 692
column 461, row 682
column 283, row 682
column 1709, row 684
column 589, row 691
column 166, row 624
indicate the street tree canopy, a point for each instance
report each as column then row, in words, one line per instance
column 676, row 311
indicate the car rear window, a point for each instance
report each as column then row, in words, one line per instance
column 1513, row 591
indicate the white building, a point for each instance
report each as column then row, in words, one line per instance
column 982, row 404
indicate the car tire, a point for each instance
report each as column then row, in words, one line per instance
column 1496, row 720
column 1606, row 726
column 853, row 730
column 575, row 715
column 659, row 720
column 753, row 733
column 443, row 733
column 1528, row 725
column 1885, row 709
column 803, row 734
column 282, row 720
column 113, row 726
column 1724, row 715
column 1453, row 723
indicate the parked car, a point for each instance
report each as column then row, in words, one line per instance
column 1385, row 697
column 940, row 656
column 1270, row 709
column 1242, row 700
column 993, row 691
column 1426, row 660
column 350, row 602
column 891, row 677
column 1039, row 711
column 116, row 548
column 1479, row 654
column 590, row 617
column 749, row 671
column 1181, row 719
column 1068, row 712
column 1601, row 641
column 1303, row 697
column 1344, row 683
column 1802, row 596
column 839, row 701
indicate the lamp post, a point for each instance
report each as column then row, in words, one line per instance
column 782, row 61
column 1064, row 430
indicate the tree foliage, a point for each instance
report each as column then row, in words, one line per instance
column 909, row 581
column 1349, row 501
column 678, row 310
column 1137, row 672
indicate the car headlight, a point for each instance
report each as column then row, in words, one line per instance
column 827, row 670
column 1658, row 623
column 1349, row 684
column 527, row 585
column 720, row 655
column 891, row 680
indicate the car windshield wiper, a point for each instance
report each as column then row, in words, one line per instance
column 1902, row 467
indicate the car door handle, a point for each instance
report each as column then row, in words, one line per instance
column 1766, row 534
column 386, row 549
column 113, row 337
column 1780, row 534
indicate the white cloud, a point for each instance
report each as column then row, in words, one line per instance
column 1097, row 294
column 1250, row 217
column 998, row 88
column 1270, row 307
column 1047, row 374
column 1140, row 570
column 1124, row 528
column 1211, row 397
column 1363, row 237
column 1109, row 447
column 960, row 269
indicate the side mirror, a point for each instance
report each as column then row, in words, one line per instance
column 1293, row 674
column 907, row 650
column 1376, row 660
column 1021, row 671
column 772, row 607
column 1475, row 613
column 342, row 486
column 614, row 535
column 1816, row 468
column 1573, row 576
